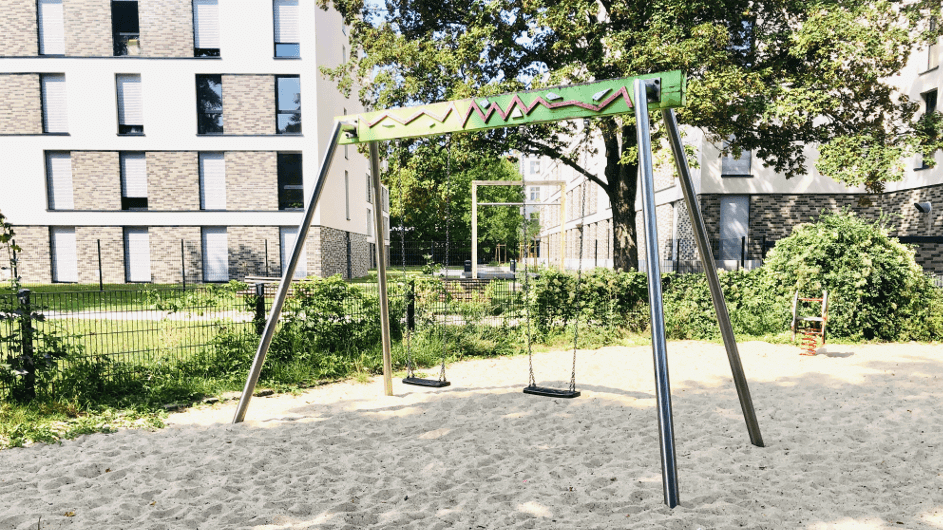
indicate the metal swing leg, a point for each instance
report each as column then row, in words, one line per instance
column 669, row 475
column 380, row 239
column 717, row 293
column 287, row 275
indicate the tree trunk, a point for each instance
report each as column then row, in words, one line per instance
column 622, row 188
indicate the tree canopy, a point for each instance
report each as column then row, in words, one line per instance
column 427, row 196
column 769, row 77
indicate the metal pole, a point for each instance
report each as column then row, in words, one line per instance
column 287, row 275
column 381, row 270
column 101, row 280
column 669, row 474
column 717, row 293
column 474, row 234
column 266, row 257
column 743, row 251
column 183, row 266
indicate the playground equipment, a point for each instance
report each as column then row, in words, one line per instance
column 810, row 327
column 663, row 91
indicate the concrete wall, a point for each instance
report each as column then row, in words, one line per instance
column 20, row 103
column 166, row 28
column 173, row 180
column 19, row 29
column 249, row 104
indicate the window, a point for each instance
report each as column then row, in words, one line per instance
column 64, row 257
column 288, row 104
column 290, row 186
column 130, row 104
column 534, row 193
column 731, row 166
column 734, row 225
column 125, row 28
column 287, row 28
column 369, row 189
column 133, row 181
column 287, row 237
column 386, row 199
column 346, row 153
column 370, row 222
column 347, row 194
column 55, row 116
column 51, row 32
column 929, row 103
column 343, row 54
column 209, row 104
column 59, row 180
column 206, row 28
column 137, row 255
column 215, row 255
column 212, row 181
column 534, row 167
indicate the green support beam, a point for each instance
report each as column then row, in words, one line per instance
column 599, row 98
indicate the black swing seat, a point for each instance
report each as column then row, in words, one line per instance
column 418, row 381
column 551, row 392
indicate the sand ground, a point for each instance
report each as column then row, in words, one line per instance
column 854, row 440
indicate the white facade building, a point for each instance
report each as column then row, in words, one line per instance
column 175, row 137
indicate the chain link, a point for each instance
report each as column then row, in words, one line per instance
column 530, row 354
column 448, row 218
column 406, row 290
column 579, row 281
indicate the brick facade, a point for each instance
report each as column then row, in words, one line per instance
column 251, row 180
column 96, row 180
column 34, row 260
column 248, row 255
column 173, row 180
column 19, row 29
column 166, row 28
column 87, row 239
column 249, row 104
column 20, row 103
column 87, row 28
column 166, row 266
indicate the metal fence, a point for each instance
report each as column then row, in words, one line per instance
column 124, row 331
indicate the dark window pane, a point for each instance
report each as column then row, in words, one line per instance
column 209, row 123
column 290, row 186
column 124, row 17
column 130, row 129
column 289, row 93
column 209, row 93
column 287, row 50
column 134, row 203
column 289, row 123
column 206, row 52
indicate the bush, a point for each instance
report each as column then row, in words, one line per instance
column 876, row 290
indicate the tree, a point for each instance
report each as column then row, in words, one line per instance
column 424, row 196
column 770, row 77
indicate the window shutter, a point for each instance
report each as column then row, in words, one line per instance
column 51, row 33
column 137, row 255
column 59, row 174
column 288, row 237
column 55, row 117
column 130, row 100
column 212, row 181
column 133, row 175
column 287, row 23
column 215, row 255
column 64, row 257
column 206, row 24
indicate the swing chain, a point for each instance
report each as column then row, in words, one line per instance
column 445, row 283
column 579, row 280
column 526, row 285
column 406, row 287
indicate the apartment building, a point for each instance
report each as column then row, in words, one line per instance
column 746, row 207
column 176, row 140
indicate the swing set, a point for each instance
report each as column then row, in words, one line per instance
column 637, row 94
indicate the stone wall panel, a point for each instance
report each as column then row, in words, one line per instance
column 20, row 103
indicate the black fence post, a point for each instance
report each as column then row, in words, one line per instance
column 183, row 265
column 596, row 258
column 259, row 308
column 14, row 262
column 26, row 325
column 763, row 252
column 411, row 305
column 743, row 251
column 101, row 276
